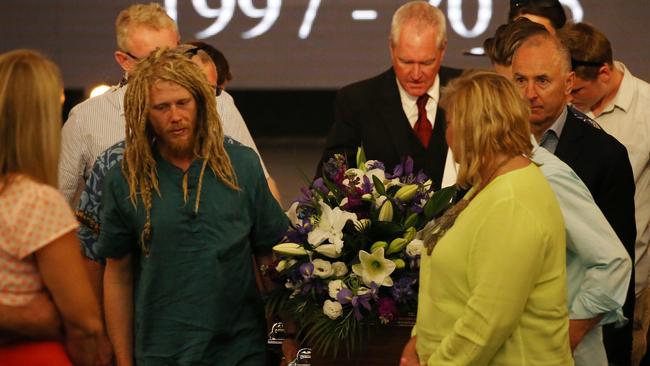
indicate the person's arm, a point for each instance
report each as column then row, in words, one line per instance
column 118, row 306
column 409, row 354
column 289, row 344
column 595, row 246
column 70, row 288
column 39, row 319
column 274, row 189
column 71, row 161
column 578, row 328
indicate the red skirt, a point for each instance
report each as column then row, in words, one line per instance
column 34, row 354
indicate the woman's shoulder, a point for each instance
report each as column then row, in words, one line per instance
column 22, row 189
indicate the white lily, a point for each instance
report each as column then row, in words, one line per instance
column 374, row 268
column 329, row 227
column 293, row 215
column 377, row 173
column 290, row 249
column 331, row 250
column 414, row 247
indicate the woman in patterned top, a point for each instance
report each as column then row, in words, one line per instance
column 38, row 247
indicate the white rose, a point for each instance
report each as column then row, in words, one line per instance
column 414, row 247
column 322, row 268
column 340, row 269
column 334, row 287
column 332, row 309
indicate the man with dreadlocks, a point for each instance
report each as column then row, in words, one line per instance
column 183, row 215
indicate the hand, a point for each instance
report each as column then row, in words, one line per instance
column 38, row 319
column 409, row 354
column 104, row 352
column 289, row 351
column 578, row 328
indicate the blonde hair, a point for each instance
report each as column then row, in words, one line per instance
column 423, row 15
column 489, row 118
column 139, row 165
column 30, row 117
column 151, row 15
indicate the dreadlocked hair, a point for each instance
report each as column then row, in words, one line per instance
column 139, row 164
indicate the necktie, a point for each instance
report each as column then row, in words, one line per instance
column 423, row 127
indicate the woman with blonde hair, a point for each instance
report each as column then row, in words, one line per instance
column 493, row 277
column 39, row 252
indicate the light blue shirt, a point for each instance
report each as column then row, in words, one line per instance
column 551, row 137
column 598, row 267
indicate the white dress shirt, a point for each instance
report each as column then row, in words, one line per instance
column 627, row 118
column 410, row 108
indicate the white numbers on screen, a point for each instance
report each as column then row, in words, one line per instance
column 269, row 14
column 308, row 20
column 455, row 16
column 221, row 16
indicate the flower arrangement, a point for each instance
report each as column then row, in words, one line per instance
column 350, row 260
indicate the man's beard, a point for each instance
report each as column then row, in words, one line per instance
column 183, row 148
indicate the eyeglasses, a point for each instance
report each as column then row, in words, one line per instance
column 131, row 55
column 577, row 63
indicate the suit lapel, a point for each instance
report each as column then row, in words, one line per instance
column 568, row 148
column 400, row 133
column 393, row 119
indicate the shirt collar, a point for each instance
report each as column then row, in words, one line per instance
column 408, row 99
column 623, row 98
column 559, row 123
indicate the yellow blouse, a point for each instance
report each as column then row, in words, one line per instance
column 493, row 292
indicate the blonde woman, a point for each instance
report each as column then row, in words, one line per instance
column 39, row 252
column 493, row 278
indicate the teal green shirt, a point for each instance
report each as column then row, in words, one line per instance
column 195, row 297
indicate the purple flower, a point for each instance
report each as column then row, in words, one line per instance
column 319, row 184
column 346, row 296
column 307, row 270
column 366, row 187
column 387, row 310
column 402, row 289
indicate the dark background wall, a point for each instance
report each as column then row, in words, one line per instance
column 288, row 56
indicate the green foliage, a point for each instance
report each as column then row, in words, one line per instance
column 439, row 202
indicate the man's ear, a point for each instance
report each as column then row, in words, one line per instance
column 123, row 60
column 569, row 83
column 604, row 74
column 443, row 49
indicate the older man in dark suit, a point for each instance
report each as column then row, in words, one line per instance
column 541, row 67
column 396, row 114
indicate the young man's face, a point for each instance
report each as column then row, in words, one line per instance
column 416, row 59
column 586, row 93
column 172, row 115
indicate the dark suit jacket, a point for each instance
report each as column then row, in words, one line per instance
column 370, row 113
column 603, row 164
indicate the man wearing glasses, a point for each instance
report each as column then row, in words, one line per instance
column 98, row 123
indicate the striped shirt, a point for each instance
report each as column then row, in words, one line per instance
column 98, row 123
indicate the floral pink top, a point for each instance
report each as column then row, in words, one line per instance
column 32, row 215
